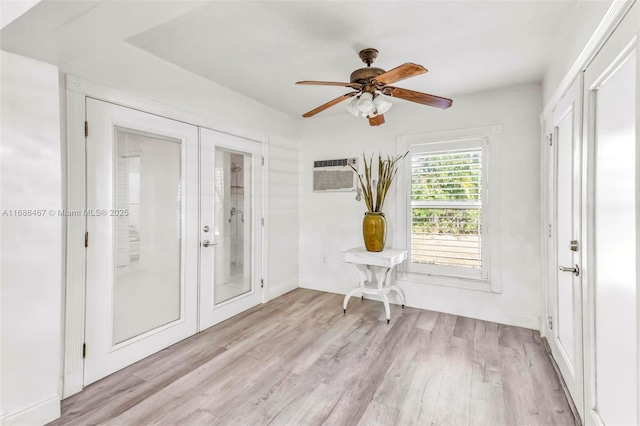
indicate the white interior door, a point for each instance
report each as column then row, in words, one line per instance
column 566, row 291
column 142, row 201
column 611, row 95
column 230, row 226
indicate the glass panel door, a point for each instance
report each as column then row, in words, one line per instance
column 231, row 229
column 142, row 255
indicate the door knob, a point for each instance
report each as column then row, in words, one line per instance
column 575, row 270
column 207, row 243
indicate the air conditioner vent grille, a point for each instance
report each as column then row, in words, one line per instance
column 334, row 163
column 335, row 175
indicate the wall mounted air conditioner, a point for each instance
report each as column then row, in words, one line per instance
column 335, row 175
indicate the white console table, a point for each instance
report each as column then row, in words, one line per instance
column 376, row 266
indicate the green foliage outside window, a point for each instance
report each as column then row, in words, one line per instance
column 446, row 177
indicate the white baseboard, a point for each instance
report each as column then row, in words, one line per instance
column 38, row 414
column 481, row 313
column 476, row 312
column 282, row 288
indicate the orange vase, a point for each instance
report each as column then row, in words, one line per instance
column 374, row 231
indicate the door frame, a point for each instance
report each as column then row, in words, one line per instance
column 73, row 311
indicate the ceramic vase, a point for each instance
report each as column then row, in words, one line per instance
column 374, row 231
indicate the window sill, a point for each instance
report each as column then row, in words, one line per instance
column 477, row 284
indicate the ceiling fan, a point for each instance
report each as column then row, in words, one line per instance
column 370, row 86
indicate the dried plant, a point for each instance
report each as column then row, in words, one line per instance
column 375, row 191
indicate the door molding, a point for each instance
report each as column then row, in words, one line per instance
column 75, row 252
column 74, row 304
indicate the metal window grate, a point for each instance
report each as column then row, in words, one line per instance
column 446, row 208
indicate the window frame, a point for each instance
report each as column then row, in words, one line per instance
column 488, row 277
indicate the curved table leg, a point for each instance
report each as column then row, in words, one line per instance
column 385, row 301
column 346, row 298
column 400, row 293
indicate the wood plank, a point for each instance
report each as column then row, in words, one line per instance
column 486, row 357
column 454, row 399
column 487, row 405
column 311, row 408
column 395, row 385
column 378, row 413
column 546, row 384
column 427, row 320
column 465, row 328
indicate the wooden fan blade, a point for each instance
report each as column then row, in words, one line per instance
column 377, row 120
column 402, row 72
column 331, row 83
column 418, row 97
column 329, row 104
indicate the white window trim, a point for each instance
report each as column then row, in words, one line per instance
column 491, row 247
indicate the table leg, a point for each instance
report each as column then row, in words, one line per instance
column 346, row 298
column 400, row 293
column 385, row 301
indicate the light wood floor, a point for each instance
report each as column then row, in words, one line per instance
column 298, row 360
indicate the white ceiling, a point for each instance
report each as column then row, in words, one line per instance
column 261, row 48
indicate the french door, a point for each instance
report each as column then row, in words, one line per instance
column 142, row 224
column 613, row 225
column 174, row 233
column 230, row 226
column 565, row 296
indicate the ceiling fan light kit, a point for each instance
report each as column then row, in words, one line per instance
column 371, row 83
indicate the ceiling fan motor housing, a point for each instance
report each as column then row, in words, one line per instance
column 365, row 75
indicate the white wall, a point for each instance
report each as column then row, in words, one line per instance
column 576, row 30
column 331, row 222
column 284, row 213
column 31, row 247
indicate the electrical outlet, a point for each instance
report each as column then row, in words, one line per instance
column 324, row 260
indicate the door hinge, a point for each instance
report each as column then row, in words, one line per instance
column 86, row 129
column 263, row 161
column 549, row 230
column 551, row 139
column 262, row 221
column 86, row 239
column 84, row 350
column 550, row 322
column 262, row 283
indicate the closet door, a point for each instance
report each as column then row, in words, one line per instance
column 565, row 295
column 611, row 100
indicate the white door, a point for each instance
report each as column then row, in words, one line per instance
column 142, row 201
column 565, row 297
column 611, row 97
column 230, row 226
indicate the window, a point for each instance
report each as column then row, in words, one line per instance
column 445, row 208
